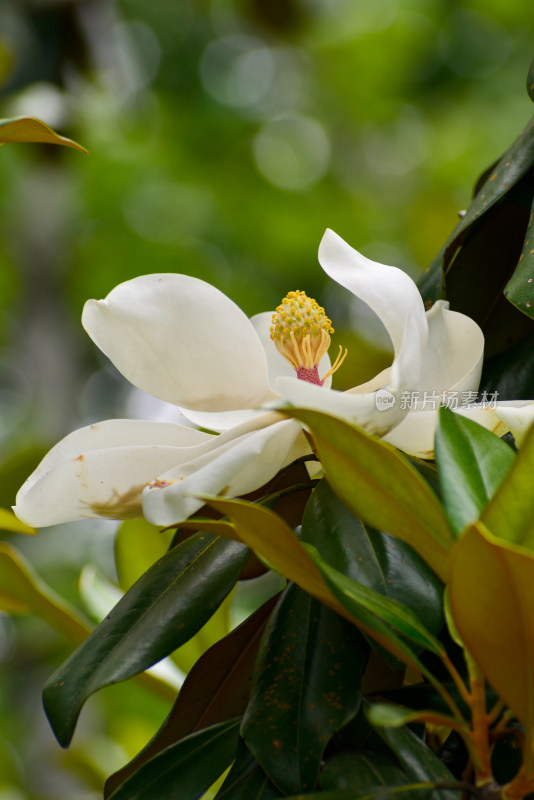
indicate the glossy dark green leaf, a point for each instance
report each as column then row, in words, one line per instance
column 363, row 770
column 511, row 374
column 186, row 769
column 472, row 462
column 217, row 689
column 530, row 80
column 163, row 609
column 271, row 538
column 419, row 762
column 406, row 791
column 520, row 288
column 483, row 250
column 306, row 686
column 380, row 486
column 374, row 609
column 374, row 559
column 246, row 780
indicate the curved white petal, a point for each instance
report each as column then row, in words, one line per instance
column 359, row 409
column 100, row 470
column 235, row 468
column 182, row 340
column 221, row 420
column 113, row 433
column 415, row 434
column 452, row 360
column 388, row 291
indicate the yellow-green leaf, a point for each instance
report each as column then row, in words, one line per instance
column 380, row 486
column 23, row 592
column 510, row 513
column 271, row 538
column 138, row 544
column 31, row 129
column 492, row 604
column 9, row 522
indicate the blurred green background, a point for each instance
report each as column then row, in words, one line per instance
column 224, row 137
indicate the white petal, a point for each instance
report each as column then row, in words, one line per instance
column 101, row 470
column 388, row 291
column 340, row 404
column 221, row 420
column 415, row 434
column 114, row 433
column 276, row 365
column 452, row 360
column 182, row 340
column 236, row 468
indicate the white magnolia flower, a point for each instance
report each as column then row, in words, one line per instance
column 183, row 341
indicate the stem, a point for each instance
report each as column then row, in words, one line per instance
column 457, row 678
column 479, row 721
column 495, row 711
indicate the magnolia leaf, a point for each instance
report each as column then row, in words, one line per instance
column 511, row 373
column 510, row 513
column 520, row 288
column 246, row 780
column 9, row 522
column 387, row 715
column 185, row 769
column 419, row 763
column 138, row 545
column 307, row 685
column 472, row 462
column 31, row 129
column 164, row 609
column 273, row 540
column 270, row 537
column 362, row 772
column 530, row 81
column 361, row 602
column 380, row 486
column 407, row 791
column 482, row 253
column 23, row 592
column 372, row 558
column 216, row 690
column 492, row 604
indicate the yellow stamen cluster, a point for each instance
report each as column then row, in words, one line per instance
column 301, row 332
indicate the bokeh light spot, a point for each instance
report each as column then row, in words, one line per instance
column 292, row 152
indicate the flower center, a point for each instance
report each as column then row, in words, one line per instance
column 301, row 333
